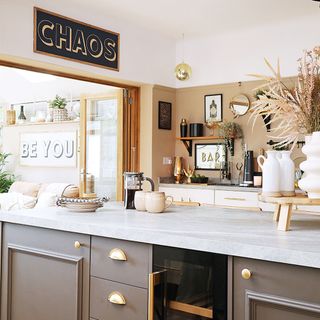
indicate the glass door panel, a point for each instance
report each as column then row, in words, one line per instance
column 102, row 146
column 196, row 284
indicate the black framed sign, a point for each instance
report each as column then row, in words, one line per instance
column 210, row 156
column 164, row 117
column 213, row 108
column 63, row 37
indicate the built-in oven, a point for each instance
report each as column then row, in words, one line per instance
column 187, row 285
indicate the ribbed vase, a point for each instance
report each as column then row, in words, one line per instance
column 310, row 181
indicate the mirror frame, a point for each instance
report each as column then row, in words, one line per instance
column 231, row 105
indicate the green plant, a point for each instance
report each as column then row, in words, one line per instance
column 6, row 178
column 230, row 130
column 58, row 103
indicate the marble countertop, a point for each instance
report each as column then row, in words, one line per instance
column 210, row 186
column 226, row 231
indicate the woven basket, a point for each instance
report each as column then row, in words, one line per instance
column 60, row 115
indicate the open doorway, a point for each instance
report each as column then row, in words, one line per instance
column 103, row 119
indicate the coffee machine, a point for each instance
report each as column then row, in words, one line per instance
column 132, row 183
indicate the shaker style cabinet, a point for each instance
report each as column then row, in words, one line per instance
column 45, row 274
column 274, row 291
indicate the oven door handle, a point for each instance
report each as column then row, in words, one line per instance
column 155, row 279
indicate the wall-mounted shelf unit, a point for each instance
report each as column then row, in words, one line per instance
column 40, row 123
column 188, row 141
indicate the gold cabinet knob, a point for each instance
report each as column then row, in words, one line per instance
column 77, row 244
column 116, row 297
column 117, row 254
column 246, row 274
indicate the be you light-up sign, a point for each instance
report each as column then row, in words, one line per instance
column 44, row 149
column 67, row 38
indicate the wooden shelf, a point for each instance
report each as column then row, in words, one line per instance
column 40, row 123
column 187, row 141
column 200, row 138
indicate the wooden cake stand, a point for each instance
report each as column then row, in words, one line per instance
column 283, row 210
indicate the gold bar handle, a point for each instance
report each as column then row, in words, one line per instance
column 116, row 297
column 154, row 280
column 235, row 199
column 117, row 254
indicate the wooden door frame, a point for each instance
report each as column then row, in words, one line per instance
column 129, row 137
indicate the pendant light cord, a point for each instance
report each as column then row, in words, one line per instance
column 183, row 47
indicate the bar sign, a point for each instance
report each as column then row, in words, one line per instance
column 67, row 38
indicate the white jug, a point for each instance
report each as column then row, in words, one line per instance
column 287, row 174
column 270, row 174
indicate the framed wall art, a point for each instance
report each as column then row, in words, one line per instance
column 213, row 108
column 164, row 116
column 210, row 156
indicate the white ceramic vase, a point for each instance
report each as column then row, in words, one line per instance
column 310, row 181
column 270, row 174
column 287, row 174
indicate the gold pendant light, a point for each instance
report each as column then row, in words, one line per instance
column 183, row 71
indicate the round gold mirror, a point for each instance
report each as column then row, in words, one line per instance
column 239, row 105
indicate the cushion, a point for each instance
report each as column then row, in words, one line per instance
column 45, row 200
column 60, row 189
column 26, row 188
column 15, row 201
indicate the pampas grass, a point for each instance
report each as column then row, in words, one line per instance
column 294, row 111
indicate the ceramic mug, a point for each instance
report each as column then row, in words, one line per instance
column 140, row 200
column 157, row 202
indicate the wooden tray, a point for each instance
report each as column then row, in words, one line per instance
column 283, row 210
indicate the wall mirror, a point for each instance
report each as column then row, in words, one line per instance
column 239, row 105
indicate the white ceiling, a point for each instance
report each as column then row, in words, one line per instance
column 20, row 86
column 198, row 18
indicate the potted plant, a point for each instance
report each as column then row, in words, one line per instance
column 229, row 131
column 59, row 111
column 295, row 112
column 6, row 178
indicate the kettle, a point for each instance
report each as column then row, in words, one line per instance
column 132, row 183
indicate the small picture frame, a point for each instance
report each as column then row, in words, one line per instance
column 210, row 156
column 213, row 108
column 164, row 116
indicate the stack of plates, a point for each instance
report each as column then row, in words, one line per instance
column 81, row 204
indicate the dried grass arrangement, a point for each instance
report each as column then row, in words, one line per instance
column 293, row 111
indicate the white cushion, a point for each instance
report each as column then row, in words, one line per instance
column 45, row 200
column 16, row 201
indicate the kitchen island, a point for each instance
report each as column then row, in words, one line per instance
column 81, row 247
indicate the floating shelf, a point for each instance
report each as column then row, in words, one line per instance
column 188, row 141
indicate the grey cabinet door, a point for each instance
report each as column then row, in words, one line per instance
column 44, row 275
column 275, row 291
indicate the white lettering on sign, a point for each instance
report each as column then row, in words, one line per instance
column 57, row 149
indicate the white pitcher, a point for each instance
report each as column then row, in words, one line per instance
column 287, row 174
column 270, row 174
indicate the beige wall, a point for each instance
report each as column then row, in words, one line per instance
column 146, row 123
column 190, row 105
column 163, row 141
column 11, row 142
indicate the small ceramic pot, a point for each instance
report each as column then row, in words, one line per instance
column 140, row 200
column 157, row 202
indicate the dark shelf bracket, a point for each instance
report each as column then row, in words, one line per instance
column 188, row 145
